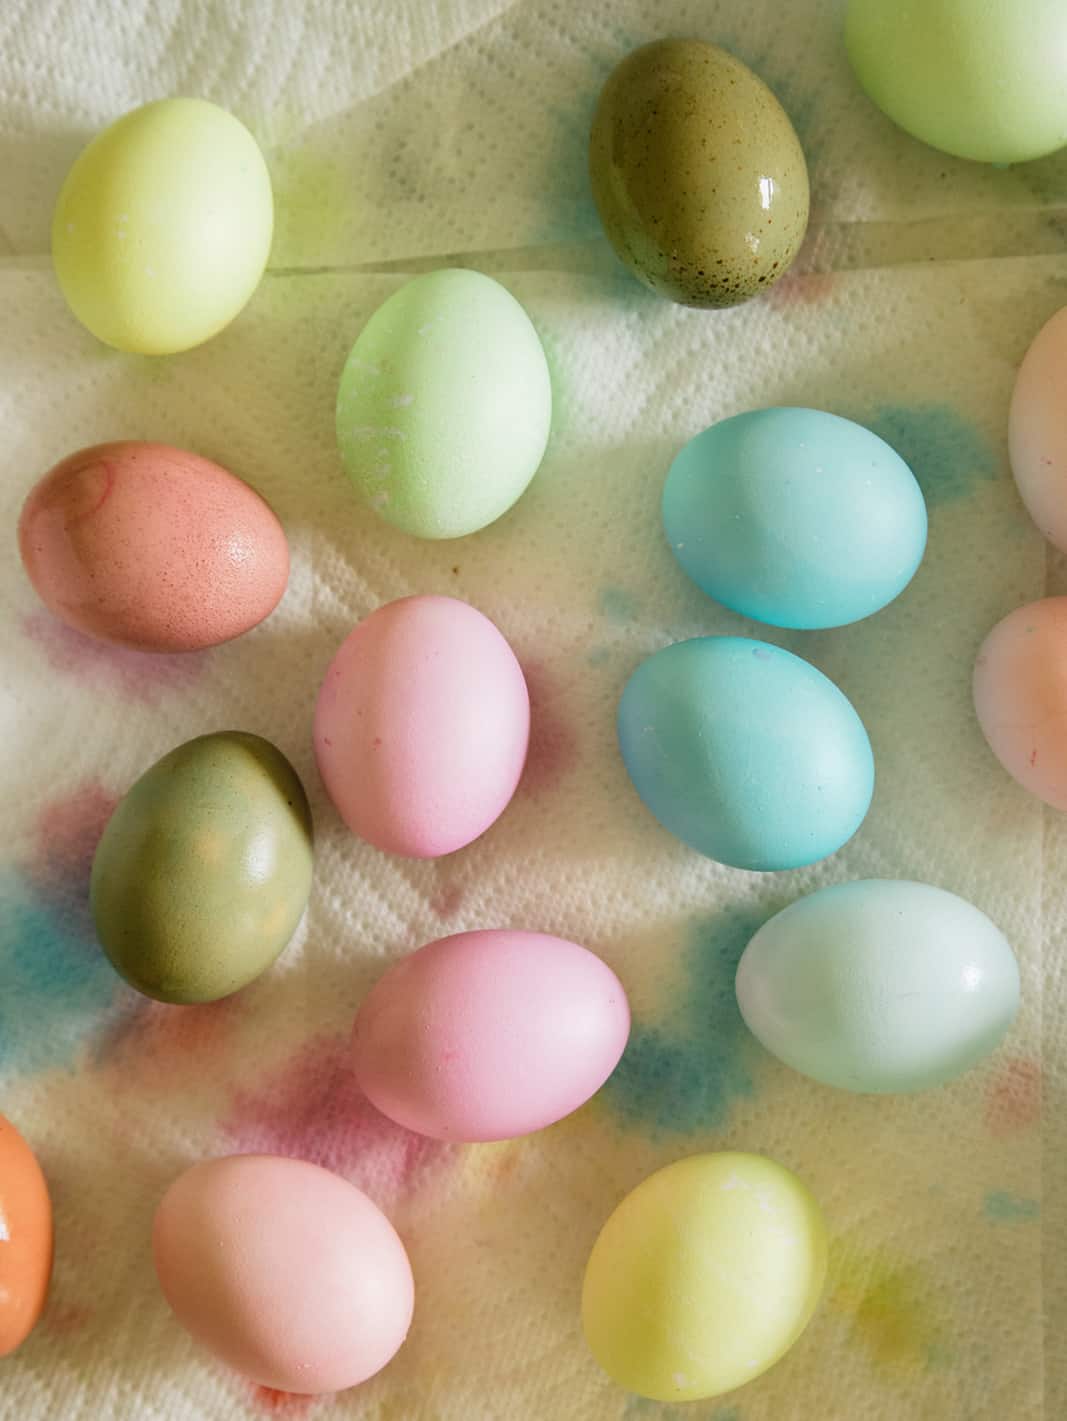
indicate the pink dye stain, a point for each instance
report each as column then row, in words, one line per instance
column 62, row 1319
column 66, row 835
column 161, row 1046
column 1013, row 1097
column 312, row 1109
column 138, row 675
column 269, row 1401
column 800, row 289
column 447, row 901
column 553, row 751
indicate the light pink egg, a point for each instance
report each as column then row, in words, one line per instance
column 421, row 726
column 283, row 1270
column 1020, row 694
column 488, row 1035
column 152, row 547
column 1037, row 429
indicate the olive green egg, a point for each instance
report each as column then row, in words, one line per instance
column 204, row 869
column 697, row 174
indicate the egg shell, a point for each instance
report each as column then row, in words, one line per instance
column 749, row 754
column 795, row 517
column 152, row 547
column 697, row 174
column 421, row 726
column 704, row 1276
column 879, row 985
column 445, row 404
column 1020, row 696
column 283, row 1270
column 1037, row 430
column 489, row 1035
column 163, row 227
column 204, row 869
column 981, row 81
column 25, row 1239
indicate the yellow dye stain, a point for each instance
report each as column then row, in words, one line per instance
column 889, row 1301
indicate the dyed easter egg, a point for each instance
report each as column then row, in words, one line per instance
column 795, row 517
column 1037, row 430
column 152, row 547
column 163, row 227
column 25, row 1239
column 697, row 174
column 879, row 986
column 1020, row 695
column 204, row 869
column 982, row 81
column 489, row 1035
column 444, row 406
column 283, row 1270
column 421, row 726
column 704, row 1276
column 746, row 752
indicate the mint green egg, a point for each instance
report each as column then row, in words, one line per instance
column 981, row 79
column 879, row 986
column 204, row 869
column 445, row 404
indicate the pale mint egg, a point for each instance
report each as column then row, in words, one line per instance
column 444, row 406
column 879, row 985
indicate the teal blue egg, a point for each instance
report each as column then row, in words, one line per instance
column 879, row 985
column 795, row 517
column 745, row 751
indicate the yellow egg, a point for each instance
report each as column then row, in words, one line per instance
column 163, row 227
column 704, row 1276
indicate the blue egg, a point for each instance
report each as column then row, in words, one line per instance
column 795, row 517
column 746, row 752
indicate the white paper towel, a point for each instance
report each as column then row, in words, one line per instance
column 398, row 134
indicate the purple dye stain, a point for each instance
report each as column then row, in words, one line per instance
column 137, row 675
column 312, row 1109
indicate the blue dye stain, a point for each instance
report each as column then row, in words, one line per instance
column 617, row 604
column 1002, row 1208
column 947, row 454
column 684, row 1074
column 598, row 656
column 56, row 982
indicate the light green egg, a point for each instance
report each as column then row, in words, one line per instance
column 163, row 227
column 445, row 404
column 204, row 869
column 981, row 79
column 879, row 985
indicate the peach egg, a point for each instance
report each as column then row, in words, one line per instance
column 1037, row 429
column 152, row 547
column 25, row 1239
column 1020, row 695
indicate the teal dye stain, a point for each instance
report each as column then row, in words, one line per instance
column 598, row 656
column 639, row 1408
column 1002, row 1208
column 948, row 455
column 57, row 983
column 684, row 1074
column 618, row 605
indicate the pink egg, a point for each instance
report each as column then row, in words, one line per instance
column 1037, row 430
column 1020, row 694
column 152, row 547
column 283, row 1270
column 489, row 1035
column 421, row 726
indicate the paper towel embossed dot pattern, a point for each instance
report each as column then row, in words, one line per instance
column 531, row 867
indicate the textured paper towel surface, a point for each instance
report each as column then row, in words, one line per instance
column 399, row 133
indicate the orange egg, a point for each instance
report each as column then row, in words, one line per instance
column 25, row 1239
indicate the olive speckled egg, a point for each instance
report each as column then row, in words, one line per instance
column 697, row 174
column 204, row 869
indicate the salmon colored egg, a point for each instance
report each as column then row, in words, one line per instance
column 1037, row 430
column 25, row 1239
column 488, row 1035
column 1020, row 695
column 421, row 726
column 152, row 547
column 283, row 1270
